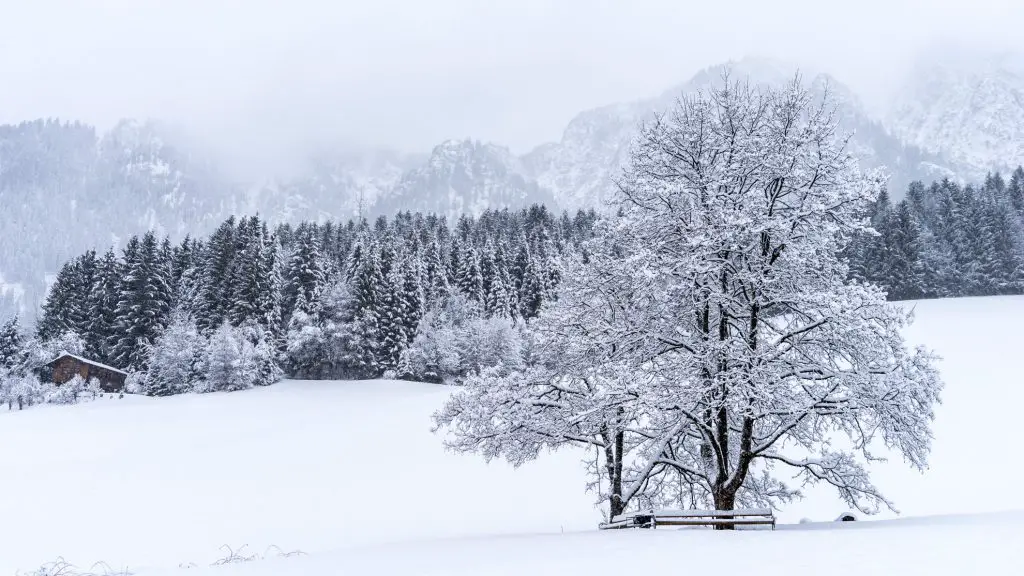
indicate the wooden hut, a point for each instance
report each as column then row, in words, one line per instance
column 65, row 366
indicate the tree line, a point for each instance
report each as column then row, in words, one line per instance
column 945, row 240
column 316, row 300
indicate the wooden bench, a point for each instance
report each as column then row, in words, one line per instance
column 654, row 519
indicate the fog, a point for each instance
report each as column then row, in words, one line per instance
column 265, row 79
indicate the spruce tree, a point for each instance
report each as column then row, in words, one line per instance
column 12, row 345
column 305, row 275
column 102, row 305
column 1015, row 190
column 368, row 286
column 904, row 274
column 143, row 305
column 470, row 280
column 61, row 307
column 214, row 298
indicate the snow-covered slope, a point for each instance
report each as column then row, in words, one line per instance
column 352, row 467
column 966, row 105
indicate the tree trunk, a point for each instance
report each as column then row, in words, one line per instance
column 725, row 500
column 617, row 506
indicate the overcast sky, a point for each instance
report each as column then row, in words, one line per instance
column 273, row 75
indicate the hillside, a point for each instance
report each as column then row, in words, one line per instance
column 350, row 473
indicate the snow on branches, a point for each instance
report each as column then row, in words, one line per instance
column 711, row 345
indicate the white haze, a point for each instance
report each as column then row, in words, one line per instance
column 266, row 81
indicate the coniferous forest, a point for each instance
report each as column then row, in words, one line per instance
column 330, row 300
column 945, row 240
column 416, row 296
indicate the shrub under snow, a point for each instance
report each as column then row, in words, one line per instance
column 456, row 340
column 73, row 391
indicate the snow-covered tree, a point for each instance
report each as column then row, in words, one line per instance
column 214, row 294
column 101, row 303
column 238, row 358
column 75, row 390
column 175, row 357
column 304, row 342
column 21, row 389
column 143, row 304
column 263, row 354
column 456, row 339
column 12, row 344
column 719, row 322
column 305, row 276
column 39, row 352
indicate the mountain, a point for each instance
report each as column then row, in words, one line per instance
column 581, row 167
column 966, row 105
column 65, row 188
column 465, row 177
column 334, row 185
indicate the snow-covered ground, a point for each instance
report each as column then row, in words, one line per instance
column 350, row 473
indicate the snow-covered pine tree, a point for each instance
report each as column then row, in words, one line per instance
column 59, row 311
column 533, row 287
column 143, row 304
column 12, row 345
column 184, row 258
column 85, row 281
column 305, row 274
column 470, row 280
column 101, row 303
column 255, row 281
column 412, row 299
column 391, row 309
column 999, row 252
column 304, row 341
column 500, row 298
column 435, row 284
column 214, row 299
column 259, row 353
column 904, row 272
column 1015, row 190
column 368, row 285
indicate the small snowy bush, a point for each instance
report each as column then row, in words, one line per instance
column 73, row 391
column 135, row 383
column 21, row 390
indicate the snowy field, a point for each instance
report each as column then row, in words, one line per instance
column 349, row 473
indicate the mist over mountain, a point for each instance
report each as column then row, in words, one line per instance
column 65, row 187
column 964, row 105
